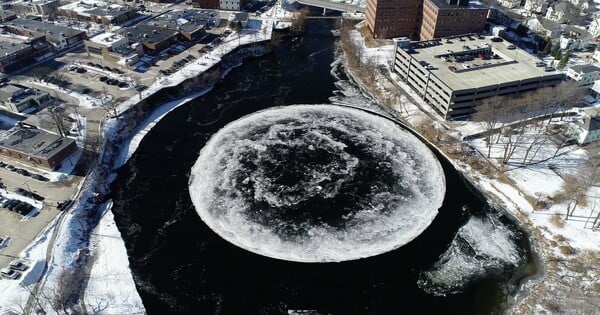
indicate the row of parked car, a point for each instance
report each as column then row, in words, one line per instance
column 77, row 69
column 29, row 194
column 177, row 65
column 18, row 206
column 14, row 269
column 24, row 172
column 99, row 66
column 111, row 81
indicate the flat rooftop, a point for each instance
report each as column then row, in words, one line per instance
column 88, row 7
column 8, row 48
column 512, row 64
column 34, row 142
column 107, row 38
column 43, row 27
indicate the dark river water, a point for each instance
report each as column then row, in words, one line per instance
column 470, row 260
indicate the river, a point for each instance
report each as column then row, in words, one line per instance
column 470, row 260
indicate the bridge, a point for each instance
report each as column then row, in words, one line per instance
column 337, row 6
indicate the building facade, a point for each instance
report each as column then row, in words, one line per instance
column 206, row 4
column 234, row 5
column 441, row 19
column 394, row 18
column 454, row 74
column 15, row 55
column 424, row 19
column 589, row 127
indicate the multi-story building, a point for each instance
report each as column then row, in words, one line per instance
column 206, row 4
column 394, row 18
column 234, row 5
column 36, row 147
column 585, row 75
column 454, row 74
column 424, row 19
column 443, row 18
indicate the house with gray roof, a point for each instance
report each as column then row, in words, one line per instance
column 585, row 75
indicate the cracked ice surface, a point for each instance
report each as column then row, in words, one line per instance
column 316, row 183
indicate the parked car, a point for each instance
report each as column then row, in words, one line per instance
column 9, row 273
column 17, row 265
column 11, row 204
column 22, row 172
column 39, row 177
column 103, row 78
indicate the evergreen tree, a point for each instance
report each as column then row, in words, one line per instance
column 564, row 60
column 556, row 52
column 548, row 46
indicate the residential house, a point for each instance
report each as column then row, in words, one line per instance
column 562, row 12
column 536, row 6
column 574, row 37
column 585, row 75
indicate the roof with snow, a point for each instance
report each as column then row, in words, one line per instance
column 34, row 142
column 585, row 68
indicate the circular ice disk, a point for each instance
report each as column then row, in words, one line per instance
column 316, row 183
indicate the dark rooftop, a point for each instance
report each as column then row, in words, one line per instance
column 43, row 27
column 148, row 33
column 34, row 142
column 9, row 48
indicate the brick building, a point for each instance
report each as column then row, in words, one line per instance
column 441, row 19
column 424, row 19
column 394, row 18
column 36, row 147
column 206, row 4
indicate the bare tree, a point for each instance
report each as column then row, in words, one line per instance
column 490, row 112
column 576, row 186
column 57, row 114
